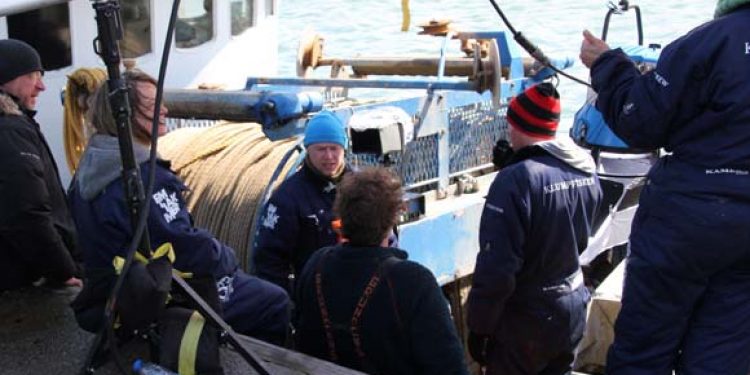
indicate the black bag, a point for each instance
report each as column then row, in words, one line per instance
column 144, row 294
column 141, row 299
column 188, row 343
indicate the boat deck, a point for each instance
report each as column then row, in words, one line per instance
column 39, row 335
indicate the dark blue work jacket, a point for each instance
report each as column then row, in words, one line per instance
column 102, row 216
column 537, row 218
column 695, row 104
column 296, row 223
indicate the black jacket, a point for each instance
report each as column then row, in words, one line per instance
column 405, row 327
column 37, row 234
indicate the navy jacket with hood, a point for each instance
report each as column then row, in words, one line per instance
column 37, row 234
column 296, row 223
column 694, row 104
column 536, row 219
column 101, row 214
column 250, row 305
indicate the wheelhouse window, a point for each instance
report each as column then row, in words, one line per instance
column 136, row 20
column 242, row 12
column 195, row 23
column 48, row 31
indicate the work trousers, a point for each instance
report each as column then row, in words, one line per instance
column 539, row 336
column 686, row 296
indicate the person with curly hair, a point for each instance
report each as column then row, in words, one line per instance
column 362, row 304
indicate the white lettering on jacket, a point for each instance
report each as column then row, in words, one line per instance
column 314, row 218
column 330, row 187
column 567, row 185
column 747, row 48
column 168, row 203
column 28, row 154
column 492, row 207
column 661, row 80
column 627, row 109
column 736, row 172
column 225, row 288
column 271, row 217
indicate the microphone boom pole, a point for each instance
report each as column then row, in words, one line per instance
column 109, row 26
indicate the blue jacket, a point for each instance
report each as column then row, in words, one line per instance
column 536, row 219
column 405, row 325
column 102, row 216
column 296, row 223
column 250, row 305
column 695, row 104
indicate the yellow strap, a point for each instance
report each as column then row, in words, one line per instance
column 189, row 344
column 405, row 15
column 118, row 262
column 165, row 249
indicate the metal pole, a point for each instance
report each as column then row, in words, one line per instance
column 212, row 105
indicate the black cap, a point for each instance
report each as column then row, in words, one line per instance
column 16, row 59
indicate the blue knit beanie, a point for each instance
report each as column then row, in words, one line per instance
column 325, row 127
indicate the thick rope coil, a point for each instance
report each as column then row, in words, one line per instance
column 226, row 167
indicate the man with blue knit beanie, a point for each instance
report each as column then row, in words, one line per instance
column 325, row 127
column 297, row 219
column 686, row 295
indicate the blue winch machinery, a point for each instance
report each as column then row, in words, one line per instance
column 622, row 169
column 439, row 139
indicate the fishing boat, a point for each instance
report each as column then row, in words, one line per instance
column 439, row 140
column 210, row 38
column 440, row 143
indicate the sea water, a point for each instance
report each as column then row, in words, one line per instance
column 353, row 28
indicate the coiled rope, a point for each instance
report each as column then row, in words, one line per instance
column 226, row 167
column 81, row 84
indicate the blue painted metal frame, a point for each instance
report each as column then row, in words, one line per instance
column 446, row 243
column 446, row 239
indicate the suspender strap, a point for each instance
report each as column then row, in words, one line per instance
column 324, row 315
column 354, row 325
column 356, row 320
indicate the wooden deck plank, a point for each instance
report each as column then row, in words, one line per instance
column 39, row 335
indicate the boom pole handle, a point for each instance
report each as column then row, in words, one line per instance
column 106, row 45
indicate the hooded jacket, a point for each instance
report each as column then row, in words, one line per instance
column 251, row 306
column 102, row 216
column 537, row 218
column 37, row 234
column 695, row 104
